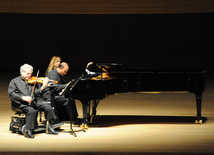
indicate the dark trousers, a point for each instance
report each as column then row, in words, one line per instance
column 69, row 105
column 32, row 113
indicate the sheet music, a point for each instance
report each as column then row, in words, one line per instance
column 63, row 90
column 70, row 86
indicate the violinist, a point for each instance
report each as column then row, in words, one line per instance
column 24, row 97
column 67, row 102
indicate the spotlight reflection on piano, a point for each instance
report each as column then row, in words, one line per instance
column 99, row 77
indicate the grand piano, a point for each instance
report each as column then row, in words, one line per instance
column 113, row 78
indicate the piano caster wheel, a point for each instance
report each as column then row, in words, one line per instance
column 72, row 133
column 84, row 126
column 198, row 121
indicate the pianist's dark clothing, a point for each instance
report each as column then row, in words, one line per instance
column 61, row 100
column 18, row 87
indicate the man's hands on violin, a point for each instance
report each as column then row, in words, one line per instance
column 45, row 83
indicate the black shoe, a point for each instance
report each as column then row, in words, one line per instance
column 50, row 130
column 29, row 134
column 55, row 121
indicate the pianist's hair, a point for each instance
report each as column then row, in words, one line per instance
column 62, row 65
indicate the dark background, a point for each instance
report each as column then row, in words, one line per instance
column 146, row 41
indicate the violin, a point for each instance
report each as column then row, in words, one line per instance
column 39, row 80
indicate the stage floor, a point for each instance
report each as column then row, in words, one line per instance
column 129, row 123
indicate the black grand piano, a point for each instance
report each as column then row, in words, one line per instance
column 114, row 78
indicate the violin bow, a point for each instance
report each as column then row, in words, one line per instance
column 34, row 84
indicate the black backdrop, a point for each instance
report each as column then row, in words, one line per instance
column 147, row 41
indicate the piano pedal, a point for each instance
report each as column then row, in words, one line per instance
column 198, row 121
column 84, row 126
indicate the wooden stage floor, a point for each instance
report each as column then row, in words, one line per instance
column 129, row 123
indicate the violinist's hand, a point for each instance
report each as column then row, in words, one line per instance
column 27, row 99
column 45, row 83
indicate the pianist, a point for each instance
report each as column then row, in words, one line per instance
column 67, row 102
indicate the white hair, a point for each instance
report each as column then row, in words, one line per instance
column 24, row 67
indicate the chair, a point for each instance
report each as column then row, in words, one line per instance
column 17, row 122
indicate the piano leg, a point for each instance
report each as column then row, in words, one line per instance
column 86, row 108
column 198, row 106
column 94, row 107
column 89, row 111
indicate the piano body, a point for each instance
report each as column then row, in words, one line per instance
column 115, row 79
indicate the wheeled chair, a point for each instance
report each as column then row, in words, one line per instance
column 18, row 122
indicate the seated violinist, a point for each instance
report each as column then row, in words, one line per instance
column 24, row 97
